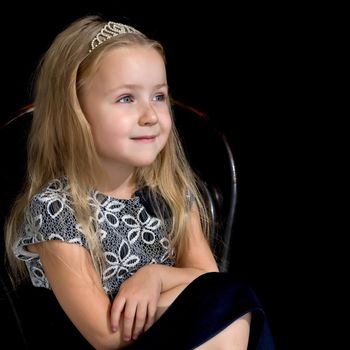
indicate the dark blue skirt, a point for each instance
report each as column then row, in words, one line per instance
column 206, row 307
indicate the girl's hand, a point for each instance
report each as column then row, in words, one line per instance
column 137, row 299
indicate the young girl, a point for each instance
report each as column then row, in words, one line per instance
column 111, row 219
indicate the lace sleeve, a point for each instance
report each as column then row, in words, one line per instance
column 49, row 217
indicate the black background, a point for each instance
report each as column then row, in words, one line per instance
column 251, row 69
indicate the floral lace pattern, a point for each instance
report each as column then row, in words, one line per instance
column 130, row 236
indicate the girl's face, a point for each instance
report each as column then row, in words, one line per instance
column 125, row 102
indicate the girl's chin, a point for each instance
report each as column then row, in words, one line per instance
column 143, row 163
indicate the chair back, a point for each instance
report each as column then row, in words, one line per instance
column 210, row 156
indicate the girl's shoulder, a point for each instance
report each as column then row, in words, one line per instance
column 54, row 189
column 52, row 197
column 58, row 186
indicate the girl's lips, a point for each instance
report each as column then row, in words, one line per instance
column 144, row 138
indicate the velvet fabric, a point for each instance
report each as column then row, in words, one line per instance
column 207, row 306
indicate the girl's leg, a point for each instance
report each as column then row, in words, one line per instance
column 234, row 337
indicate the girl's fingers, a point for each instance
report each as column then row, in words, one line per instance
column 151, row 315
column 140, row 319
column 116, row 311
column 129, row 318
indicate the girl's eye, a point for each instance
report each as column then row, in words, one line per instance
column 125, row 99
column 159, row 97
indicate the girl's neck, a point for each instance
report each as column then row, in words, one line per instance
column 121, row 192
column 118, row 184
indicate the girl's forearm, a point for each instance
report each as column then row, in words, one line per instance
column 175, row 276
column 167, row 298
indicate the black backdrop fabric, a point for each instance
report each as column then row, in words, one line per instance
column 244, row 68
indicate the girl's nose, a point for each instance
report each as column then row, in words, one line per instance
column 149, row 116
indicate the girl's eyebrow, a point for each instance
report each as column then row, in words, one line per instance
column 135, row 87
column 159, row 86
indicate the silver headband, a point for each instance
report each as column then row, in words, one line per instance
column 110, row 30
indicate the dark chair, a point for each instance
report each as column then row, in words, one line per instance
column 210, row 156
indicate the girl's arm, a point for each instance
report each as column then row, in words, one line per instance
column 150, row 291
column 198, row 259
column 78, row 289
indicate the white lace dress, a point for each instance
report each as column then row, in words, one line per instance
column 131, row 237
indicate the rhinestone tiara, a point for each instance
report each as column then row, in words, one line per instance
column 110, row 30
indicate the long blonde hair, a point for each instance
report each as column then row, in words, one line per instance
column 61, row 142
